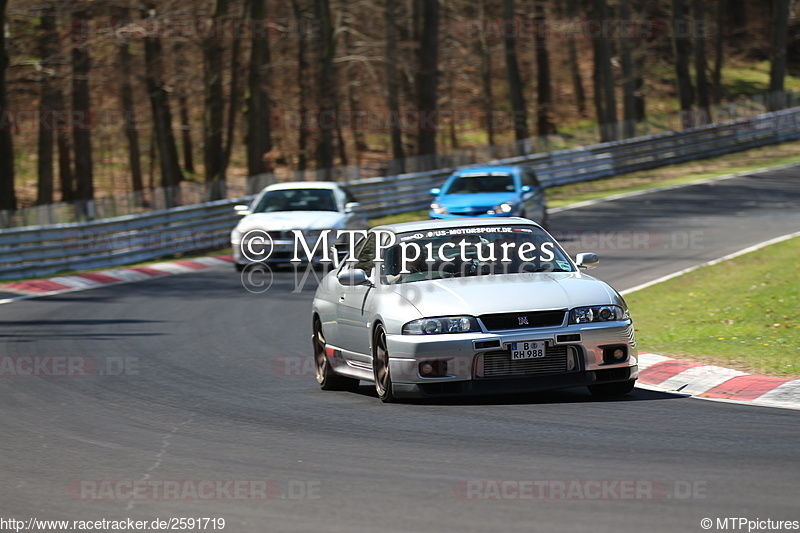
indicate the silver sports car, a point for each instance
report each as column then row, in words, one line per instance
column 469, row 306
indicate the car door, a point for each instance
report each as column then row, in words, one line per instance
column 352, row 321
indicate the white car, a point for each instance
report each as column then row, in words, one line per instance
column 308, row 206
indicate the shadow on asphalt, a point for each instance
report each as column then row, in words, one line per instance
column 564, row 396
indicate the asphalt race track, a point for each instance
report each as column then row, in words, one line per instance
column 192, row 380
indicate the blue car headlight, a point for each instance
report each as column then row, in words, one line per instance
column 502, row 209
column 439, row 209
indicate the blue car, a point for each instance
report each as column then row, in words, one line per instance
column 503, row 191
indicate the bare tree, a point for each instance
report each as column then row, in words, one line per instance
column 628, row 78
column 8, row 198
column 259, row 139
column 515, row 89
column 326, row 87
column 716, row 75
column 700, row 65
column 574, row 67
column 543, row 86
column 48, row 51
column 213, row 152
column 604, row 86
column 129, row 110
column 81, row 103
column 162, row 115
column 485, row 53
column 682, row 49
column 777, row 69
column 392, row 89
column 428, row 76
column 302, row 94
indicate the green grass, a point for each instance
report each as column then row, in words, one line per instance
column 743, row 313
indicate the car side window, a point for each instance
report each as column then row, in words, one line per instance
column 529, row 178
column 365, row 257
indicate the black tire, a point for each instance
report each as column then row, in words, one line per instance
column 380, row 366
column 239, row 267
column 326, row 377
column 606, row 390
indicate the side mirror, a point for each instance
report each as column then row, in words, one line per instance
column 242, row 209
column 352, row 277
column 350, row 207
column 587, row 260
column 436, row 191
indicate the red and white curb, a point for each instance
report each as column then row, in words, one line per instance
column 103, row 278
column 711, row 382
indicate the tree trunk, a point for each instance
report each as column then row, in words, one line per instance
column 213, row 152
column 485, row 52
column 628, row 77
column 326, row 89
column 259, row 135
column 233, row 104
column 682, row 49
column 129, row 112
column 777, row 69
column 81, row 106
column 162, row 117
column 186, row 134
column 700, row 65
column 48, row 50
column 544, row 89
column 302, row 97
column 8, row 198
column 515, row 89
column 428, row 78
column 393, row 91
column 716, row 76
column 604, row 79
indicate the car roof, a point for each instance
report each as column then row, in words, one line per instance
column 449, row 223
column 502, row 169
column 303, row 185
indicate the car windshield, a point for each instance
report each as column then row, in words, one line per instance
column 479, row 183
column 473, row 251
column 297, row 200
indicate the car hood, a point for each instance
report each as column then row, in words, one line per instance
column 289, row 220
column 485, row 199
column 505, row 293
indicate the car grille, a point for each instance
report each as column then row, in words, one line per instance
column 281, row 235
column 499, row 363
column 521, row 319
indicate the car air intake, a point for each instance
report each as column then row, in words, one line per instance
column 523, row 320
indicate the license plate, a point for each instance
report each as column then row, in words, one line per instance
column 528, row 350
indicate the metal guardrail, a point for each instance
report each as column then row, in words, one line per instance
column 44, row 250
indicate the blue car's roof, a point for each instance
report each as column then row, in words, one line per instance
column 505, row 169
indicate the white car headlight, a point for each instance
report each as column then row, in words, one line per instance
column 505, row 207
column 450, row 324
column 597, row 313
column 439, row 209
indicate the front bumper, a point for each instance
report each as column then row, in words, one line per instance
column 481, row 363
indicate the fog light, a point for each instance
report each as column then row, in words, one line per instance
column 433, row 369
column 614, row 354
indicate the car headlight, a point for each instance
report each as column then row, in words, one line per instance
column 439, row 209
column 505, row 207
column 450, row 324
column 597, row 313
